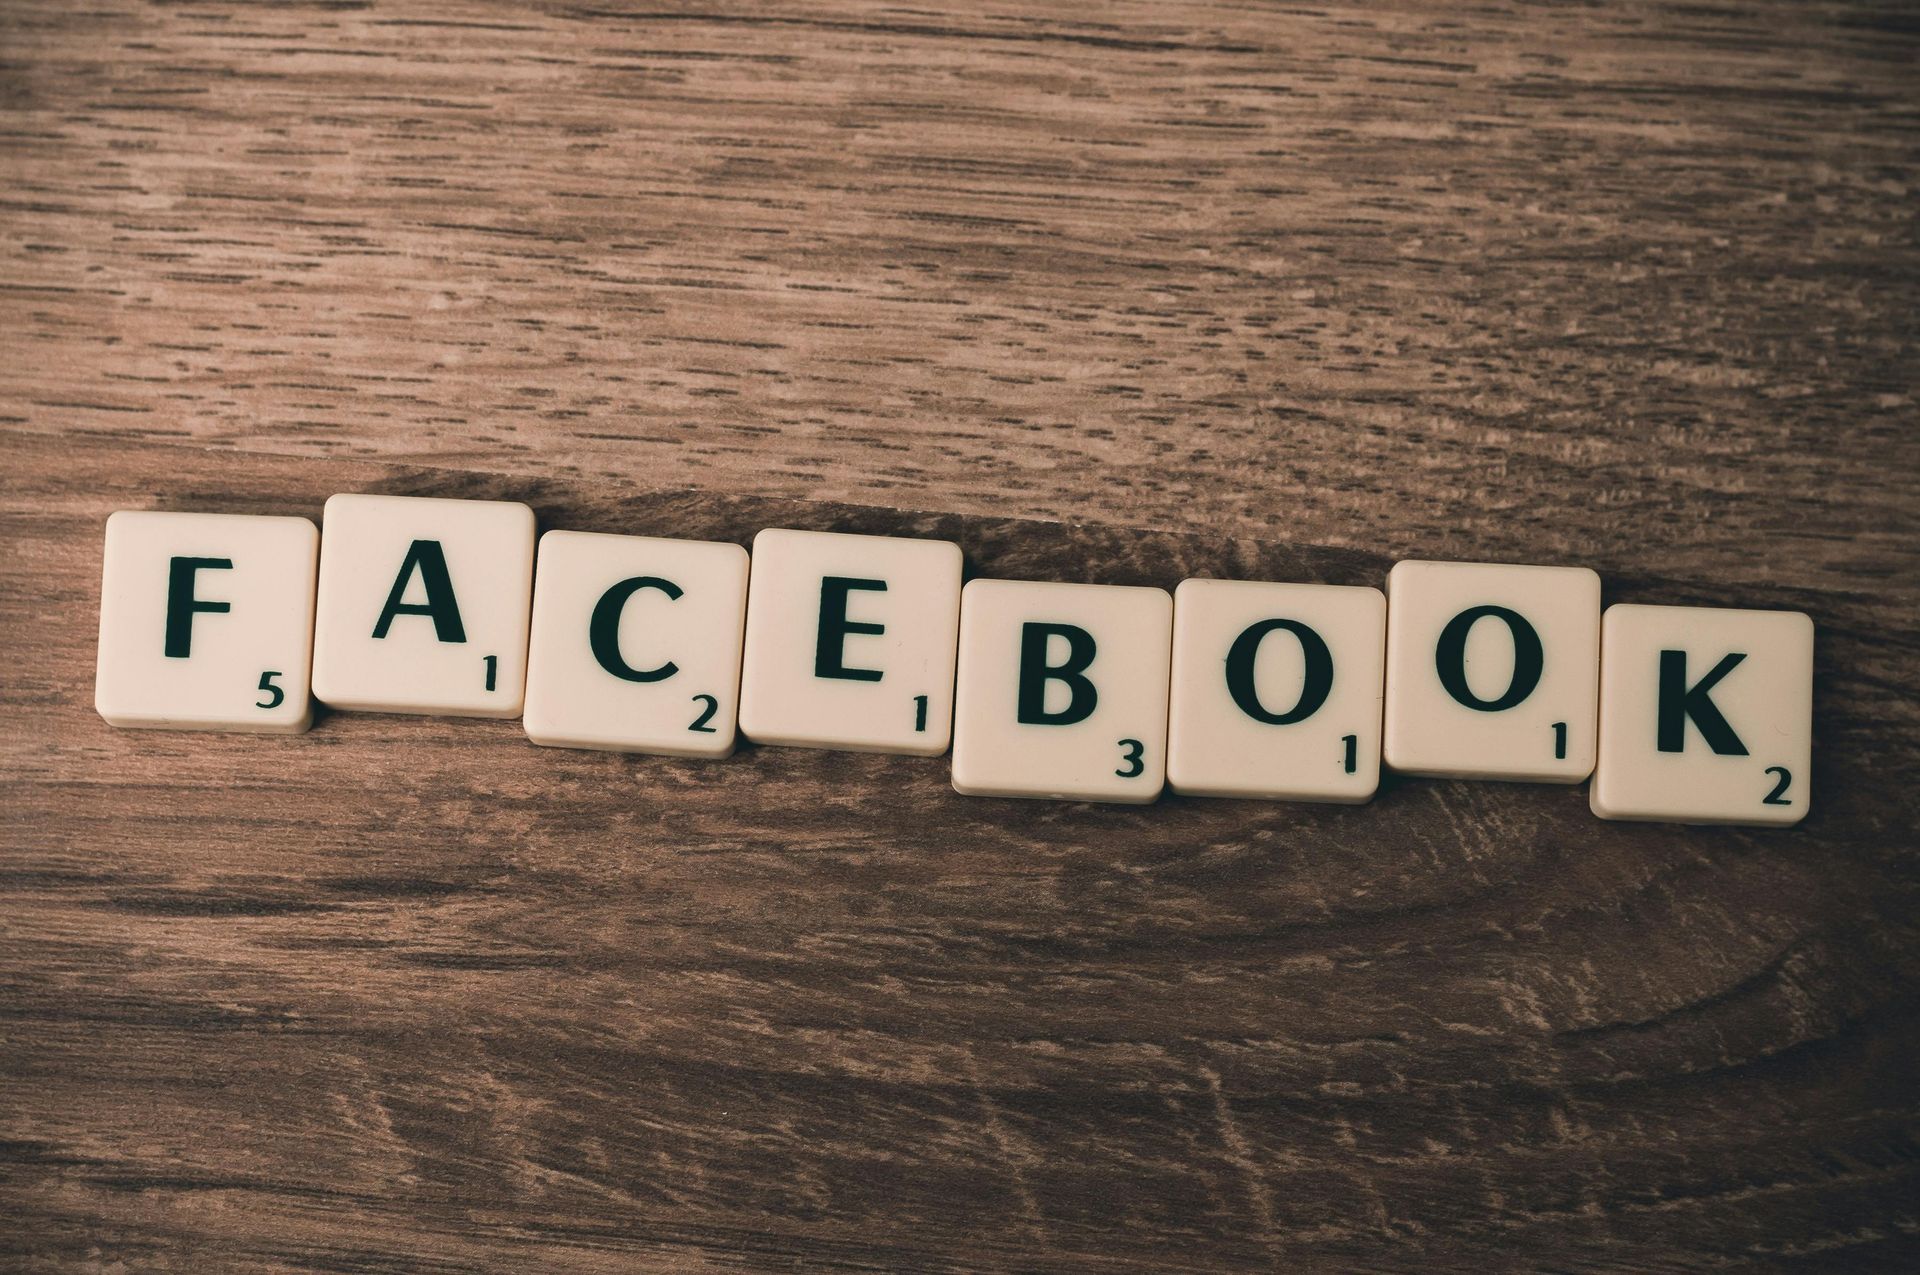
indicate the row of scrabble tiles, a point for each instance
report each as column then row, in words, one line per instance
column 1076, row 691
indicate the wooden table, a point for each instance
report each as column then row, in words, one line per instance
column 1118, row 293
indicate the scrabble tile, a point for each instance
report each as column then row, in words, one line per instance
column 636, row 644
column 1276, row 690
column 206, row 622
column 1706, row 715
column 1062, row 691
column 1492, row 671
column 424, row 605
column 850, row 642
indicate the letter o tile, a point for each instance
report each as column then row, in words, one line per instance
column 1492, row 671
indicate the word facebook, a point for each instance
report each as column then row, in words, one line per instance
column 1221, row 688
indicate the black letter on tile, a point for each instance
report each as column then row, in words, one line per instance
column 1450, row 658
column 603, row 632
column 1035, row 673
column 1678, row 702
column 427, row 557
column 181, row 604
column 1313, row 691
column 830, row 650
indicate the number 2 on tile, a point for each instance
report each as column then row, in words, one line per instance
column 706, row 714
column 1132, row 753
column 1778, row 797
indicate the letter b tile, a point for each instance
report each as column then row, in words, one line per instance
column 636, row 644
column 424, row 605
column 1492, row 670
column 1062, row 691
column 850, row 642
column 206, row 622
column 1706, row 715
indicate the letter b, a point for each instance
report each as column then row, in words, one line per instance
column 1035, row 673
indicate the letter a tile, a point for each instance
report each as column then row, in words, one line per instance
column 1706, row 715
column 424, row 605
column 1062, row 691
column 206, row 622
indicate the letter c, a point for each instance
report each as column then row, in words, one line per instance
column 604, row 631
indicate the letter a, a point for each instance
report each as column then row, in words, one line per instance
column 426, row 557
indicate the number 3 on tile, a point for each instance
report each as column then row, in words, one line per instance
column 1132, row 752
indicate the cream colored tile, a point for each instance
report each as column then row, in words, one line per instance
column 424, row 605
column 1276, row 690
column 206, row 622
column 1062, row 691
column 850, row 642
column 636, row 644
column 1492, row 670
column 1706, row 715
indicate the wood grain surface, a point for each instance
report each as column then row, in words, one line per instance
column 1125, row 293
